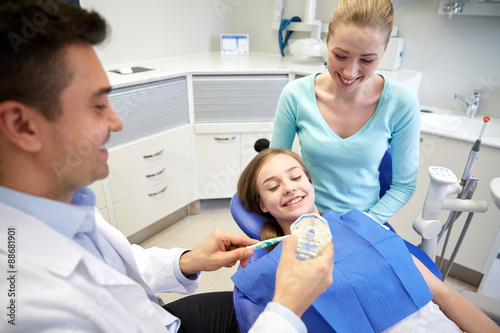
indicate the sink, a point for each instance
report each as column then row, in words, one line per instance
column 457, row 126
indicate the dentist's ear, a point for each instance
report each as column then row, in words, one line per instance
column 18, row 125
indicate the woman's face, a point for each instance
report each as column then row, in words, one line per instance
column 285, row 191
column 353, row 55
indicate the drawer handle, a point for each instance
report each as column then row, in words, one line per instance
column 153, row 155
column 159, row 192
column 225, row 139
column 156, row 174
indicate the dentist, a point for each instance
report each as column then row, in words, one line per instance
column 67, row 268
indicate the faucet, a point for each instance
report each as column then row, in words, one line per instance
column 472, row 103
column 453, row 8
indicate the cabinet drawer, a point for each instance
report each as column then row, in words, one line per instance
column 236, row 98
column 158, row 174
column 171, row 150
column 148, row 206
column 218, row 160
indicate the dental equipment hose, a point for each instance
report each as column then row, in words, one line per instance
column 472, row 188
column 283, row 25
column 459, row 243
column 468, row 184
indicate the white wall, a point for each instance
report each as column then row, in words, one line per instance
column 455, row 55
column 150, row 29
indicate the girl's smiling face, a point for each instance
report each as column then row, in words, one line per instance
column 285, row 191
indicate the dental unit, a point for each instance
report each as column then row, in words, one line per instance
column 442, row 183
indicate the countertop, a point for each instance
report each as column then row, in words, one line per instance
column 455, row 125
column 214, row 63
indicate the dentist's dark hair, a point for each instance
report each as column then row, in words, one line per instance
column 33, row 37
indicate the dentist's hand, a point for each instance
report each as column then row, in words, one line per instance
column 299, row 283
column 219, row 249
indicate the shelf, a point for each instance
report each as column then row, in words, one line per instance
column 472, row 9
column 298, row 26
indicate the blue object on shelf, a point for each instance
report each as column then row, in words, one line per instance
column 283, row 25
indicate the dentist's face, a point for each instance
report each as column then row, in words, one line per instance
column 285, row 190
column 74, row 142
column 353, row 55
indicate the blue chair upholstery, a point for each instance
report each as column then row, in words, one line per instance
column 385, row 172
column 251, row 224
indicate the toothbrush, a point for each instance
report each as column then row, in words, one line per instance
column 267, row 242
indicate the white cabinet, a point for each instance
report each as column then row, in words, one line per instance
column 151, row 162
column 221, row 158
column 146, row 162
column 219, row 165
column 236, row 98
column 151, row 178
column 231, row 113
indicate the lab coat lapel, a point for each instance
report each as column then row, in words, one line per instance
column 45, row 247
column 117, row 240
column 120, row 243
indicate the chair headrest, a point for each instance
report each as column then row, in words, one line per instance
column 250, row 223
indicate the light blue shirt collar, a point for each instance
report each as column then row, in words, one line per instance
column 64, row 218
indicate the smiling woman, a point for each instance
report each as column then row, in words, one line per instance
column 346, row 118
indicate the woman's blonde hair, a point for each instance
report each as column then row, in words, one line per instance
column 373, row 14
column 248, row 190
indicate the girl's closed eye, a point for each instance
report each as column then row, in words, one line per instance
column 296, row 178
column 273, row 187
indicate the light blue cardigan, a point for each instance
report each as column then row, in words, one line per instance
column 345, row 171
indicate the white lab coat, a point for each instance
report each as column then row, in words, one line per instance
column 61, row 287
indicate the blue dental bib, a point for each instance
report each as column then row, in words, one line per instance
column 375, row 282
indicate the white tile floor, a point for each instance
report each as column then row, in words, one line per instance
column 190, row 231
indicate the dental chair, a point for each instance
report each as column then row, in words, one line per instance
column 251, row 224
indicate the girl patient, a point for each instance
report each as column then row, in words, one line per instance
column 378, row 286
